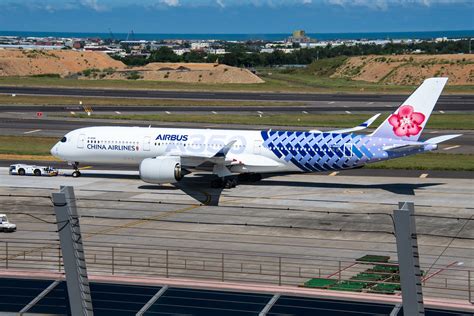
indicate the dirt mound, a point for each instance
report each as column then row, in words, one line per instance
column 188, row 72
column 62, row 62
column 408, row 69
column 97, row 65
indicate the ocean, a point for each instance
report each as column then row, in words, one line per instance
column 245, row 37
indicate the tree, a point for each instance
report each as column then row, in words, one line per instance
column 164, row 54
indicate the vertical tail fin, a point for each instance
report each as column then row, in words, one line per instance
column 408, row 121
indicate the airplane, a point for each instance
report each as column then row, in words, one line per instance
column 166, row 155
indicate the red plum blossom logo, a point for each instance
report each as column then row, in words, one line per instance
column 406, row 122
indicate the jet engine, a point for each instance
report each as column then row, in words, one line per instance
column 161, row 170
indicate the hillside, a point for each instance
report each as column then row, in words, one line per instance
column 96, row 65
column 408, row 69
column 188, row 72
column 62, row 62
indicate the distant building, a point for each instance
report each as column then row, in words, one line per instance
column 299, row 36
column 199, row 45
column 181, row 51
column 217, row 51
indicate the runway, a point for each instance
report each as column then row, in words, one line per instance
column 312, row 224
column 445, row 103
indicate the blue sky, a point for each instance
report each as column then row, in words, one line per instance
column 232, row 16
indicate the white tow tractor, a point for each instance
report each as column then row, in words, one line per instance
column 5, row 225
column 32, row 170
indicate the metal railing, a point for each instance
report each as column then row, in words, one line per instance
column 450, row 281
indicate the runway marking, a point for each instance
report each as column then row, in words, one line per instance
column 118, row 112
column 452, row 147
column 440, row 111
column 348, row 112
column 73, row 113
column 333, row 174
column 33, row 131
column 167, row 112
column 370, row 103
column 214, row 112
column 424, row 175
column 332, row 102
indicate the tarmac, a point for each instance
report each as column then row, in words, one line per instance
column 282, row 230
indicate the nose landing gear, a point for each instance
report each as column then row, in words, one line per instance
column 76, row 173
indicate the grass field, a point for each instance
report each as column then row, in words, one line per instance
column 275, row 81
column 37, row 148
column 25, row 145
column 429, row 161
column 438, row 121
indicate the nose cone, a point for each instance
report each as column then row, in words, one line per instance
column 54, row 150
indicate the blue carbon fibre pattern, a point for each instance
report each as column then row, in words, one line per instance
column 312, row 152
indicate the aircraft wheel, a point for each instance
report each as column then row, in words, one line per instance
column 230, row 183
column 76, row 174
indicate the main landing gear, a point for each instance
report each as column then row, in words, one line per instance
column 233, row 181
column 76, row 173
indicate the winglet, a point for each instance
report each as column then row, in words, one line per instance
column 224, row 150
column 370, row 120
column 354, row 129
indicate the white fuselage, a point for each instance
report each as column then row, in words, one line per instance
column 131, row 145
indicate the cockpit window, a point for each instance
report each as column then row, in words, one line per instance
column 64, row 139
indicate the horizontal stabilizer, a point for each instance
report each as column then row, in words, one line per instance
column 403, row 148
column 432, row 142
column 440, row 139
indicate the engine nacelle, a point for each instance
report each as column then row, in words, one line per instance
column 161, row 170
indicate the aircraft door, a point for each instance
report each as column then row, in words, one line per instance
column 146, row 143
column 81, row 140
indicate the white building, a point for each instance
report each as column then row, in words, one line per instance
column 199, row 45
column 181, row 51
column 217, row 51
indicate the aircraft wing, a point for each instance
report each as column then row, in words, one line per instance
column 222, row 160
column 352, row 129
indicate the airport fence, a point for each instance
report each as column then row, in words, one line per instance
column 118, row 242
column 443, row 281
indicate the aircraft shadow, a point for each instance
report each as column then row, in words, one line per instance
column 108, row 176
column 397, row 188
column 196, row 187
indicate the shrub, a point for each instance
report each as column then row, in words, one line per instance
column 133, row 75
